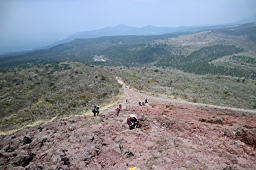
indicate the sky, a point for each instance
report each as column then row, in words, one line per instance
column 29, row 24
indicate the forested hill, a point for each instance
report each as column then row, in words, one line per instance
column 84, row 49
column 228, row 51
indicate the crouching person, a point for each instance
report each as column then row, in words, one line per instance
column 133, row 122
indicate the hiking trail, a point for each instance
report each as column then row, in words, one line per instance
column 174, row 135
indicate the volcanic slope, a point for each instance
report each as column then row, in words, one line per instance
column 174, row 135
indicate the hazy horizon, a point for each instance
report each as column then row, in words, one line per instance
column 28, row 24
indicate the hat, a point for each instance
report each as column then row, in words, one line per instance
column 132, row 115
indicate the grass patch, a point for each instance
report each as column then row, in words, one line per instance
column 30, row 96
column 214, row 89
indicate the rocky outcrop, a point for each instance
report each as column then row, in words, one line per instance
column 171, row 135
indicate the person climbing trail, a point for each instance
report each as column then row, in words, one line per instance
column 146, row 100
column 132, row 122
column 97, row 111
column 94, row 110
column 120, row 106
column 118, row 110
column 140, row 103
column 126, row 100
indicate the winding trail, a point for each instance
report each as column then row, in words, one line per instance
column 135, row 96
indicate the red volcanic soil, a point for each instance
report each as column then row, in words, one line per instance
column 173, row 136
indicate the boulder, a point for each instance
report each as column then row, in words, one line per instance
column 25, row 159
column 9, row 149
column 65, row 161
column 27, row 140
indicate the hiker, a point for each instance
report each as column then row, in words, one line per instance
column 94, row 110
column 120, row 106
column 126, row 100
column 132, row 121
column 97, row 111
column 118, row 110
column 143, row 104
column 146, row 100
column 140, row 103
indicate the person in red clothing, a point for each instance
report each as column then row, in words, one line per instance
column 132, row 121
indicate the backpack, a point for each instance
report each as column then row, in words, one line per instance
column 94, row 109
column 128, row 119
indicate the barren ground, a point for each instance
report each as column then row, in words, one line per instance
column 174, row 135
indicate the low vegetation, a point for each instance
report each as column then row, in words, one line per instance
column 210, row 89
column 226, row 51
column 217, row 67
column 48, row 90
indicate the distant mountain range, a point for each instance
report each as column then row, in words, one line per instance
column 109, row 31
column 229, row 50
column 120, row 30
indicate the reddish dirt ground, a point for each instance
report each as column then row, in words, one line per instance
column 174, row 135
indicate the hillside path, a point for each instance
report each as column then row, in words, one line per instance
column 174, row 135
column 134, row 97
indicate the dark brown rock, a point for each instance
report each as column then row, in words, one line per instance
column 27, row 140
column 24, row 160
column 65, row 161
column 9, row 149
